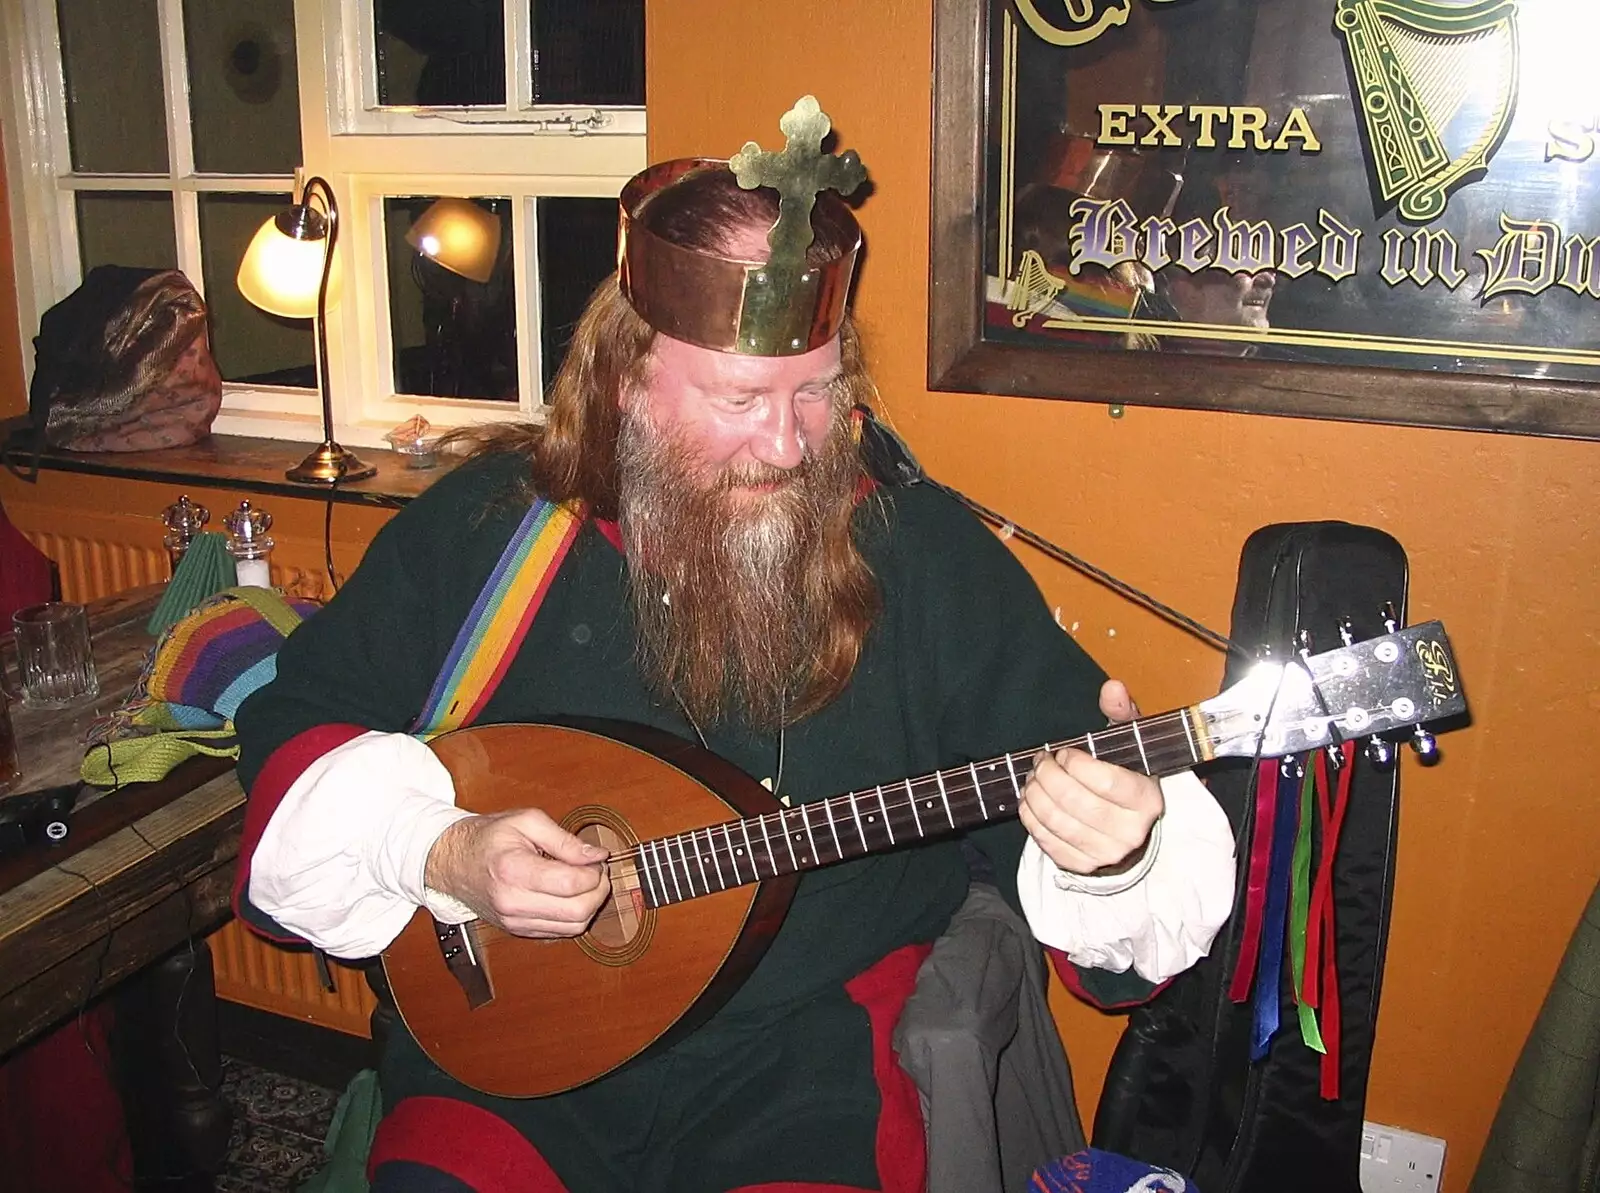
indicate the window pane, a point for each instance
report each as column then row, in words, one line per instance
column 244, row 98
column 588, row 51
column 126, row 228
column 577, row 250
column 452, row 306
column 249, row 344
column 441, row 53
column 116, row 113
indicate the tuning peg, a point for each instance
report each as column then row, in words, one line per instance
column 1391, row 619
column 1381, row 753
column 1425, row 744
column 1346, row 632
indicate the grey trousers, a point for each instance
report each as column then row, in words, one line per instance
column 979, row 1041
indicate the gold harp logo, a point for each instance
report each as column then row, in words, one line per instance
column 1437, row 85
column 1033, row 289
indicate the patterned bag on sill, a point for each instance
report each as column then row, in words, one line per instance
column 124, row 363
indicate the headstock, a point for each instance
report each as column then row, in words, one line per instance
column 1400, row 679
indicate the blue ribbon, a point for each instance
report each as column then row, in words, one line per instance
column 1269, row 975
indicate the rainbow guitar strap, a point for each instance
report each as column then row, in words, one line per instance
column 493, row 632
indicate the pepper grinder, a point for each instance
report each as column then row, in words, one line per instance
column 183, row 520
column 250, row 545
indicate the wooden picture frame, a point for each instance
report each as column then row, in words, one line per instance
column 962, row 359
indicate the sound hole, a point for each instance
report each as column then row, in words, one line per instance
column 622, row 928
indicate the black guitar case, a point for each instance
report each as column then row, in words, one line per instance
column 1182, row 1091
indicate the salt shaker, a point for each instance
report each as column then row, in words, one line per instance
column 250, row 545
column 183, row 520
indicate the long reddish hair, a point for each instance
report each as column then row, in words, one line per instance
column 572, row 456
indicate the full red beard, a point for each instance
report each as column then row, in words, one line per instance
column 729, row 576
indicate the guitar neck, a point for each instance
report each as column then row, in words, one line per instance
column 875, row 819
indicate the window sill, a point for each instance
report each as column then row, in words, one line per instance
column 253, row 466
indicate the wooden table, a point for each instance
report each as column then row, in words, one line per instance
column 145, row 871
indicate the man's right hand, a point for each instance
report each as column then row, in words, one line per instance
column 520, row 871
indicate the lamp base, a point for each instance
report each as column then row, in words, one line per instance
column 330, row 464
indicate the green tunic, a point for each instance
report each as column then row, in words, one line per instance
column 965, row 662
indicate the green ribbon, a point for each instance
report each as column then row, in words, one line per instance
column 1300, row 908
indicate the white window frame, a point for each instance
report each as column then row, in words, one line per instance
column 353, row 95
column 364, row 152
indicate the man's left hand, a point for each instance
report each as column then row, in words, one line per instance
column 1088, row 815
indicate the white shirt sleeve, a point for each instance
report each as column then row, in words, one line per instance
column 1158, row 924
column 341, row 861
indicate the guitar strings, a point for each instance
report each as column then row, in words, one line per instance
column 1154, row 733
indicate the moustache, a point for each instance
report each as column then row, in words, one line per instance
column 756, row 475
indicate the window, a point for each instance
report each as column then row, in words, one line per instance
column 162, row 133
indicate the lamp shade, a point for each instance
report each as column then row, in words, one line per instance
column 459, row 235
column 280, row 274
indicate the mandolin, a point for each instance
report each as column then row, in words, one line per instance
column 704, row 860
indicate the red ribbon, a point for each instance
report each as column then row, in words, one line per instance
column 1322, row 944
column 1330, row 1010
column 1331, row 814
column 1256, row 884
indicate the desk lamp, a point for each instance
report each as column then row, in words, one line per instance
column 459, row 235
column 285, row 272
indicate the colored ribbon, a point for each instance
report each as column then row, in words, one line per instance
column 1331, row 810
column 1269, row 978
column 1300, row 907
column 1330, row 1010
column 1266, row 792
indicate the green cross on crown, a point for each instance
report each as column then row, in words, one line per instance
column 797, row 173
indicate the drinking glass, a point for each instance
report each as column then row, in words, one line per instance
column 55, row 663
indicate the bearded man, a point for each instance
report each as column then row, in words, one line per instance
column 735, row 578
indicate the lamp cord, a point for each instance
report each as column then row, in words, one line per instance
column 327, row 535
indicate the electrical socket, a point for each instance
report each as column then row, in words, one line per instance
column 1398, row 1161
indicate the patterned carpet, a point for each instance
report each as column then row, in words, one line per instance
column 278, row 1128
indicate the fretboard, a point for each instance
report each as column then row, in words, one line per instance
column 888, row 816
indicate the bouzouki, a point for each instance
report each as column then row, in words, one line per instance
column 704, row 860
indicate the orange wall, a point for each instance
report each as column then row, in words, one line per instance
column 1499, row 843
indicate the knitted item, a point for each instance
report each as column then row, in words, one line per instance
column 200, row 671
column 205, row 569
column 1095, row 1171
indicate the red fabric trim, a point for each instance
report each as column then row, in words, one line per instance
column 902, row 1145
column 473, row 1145
column 61, row 1122
column 25, row 575
column 612, row 532
column 484, row 1151
column 286, row 764
column 1067, row 971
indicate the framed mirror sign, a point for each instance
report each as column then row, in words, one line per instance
column 1382, row 210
